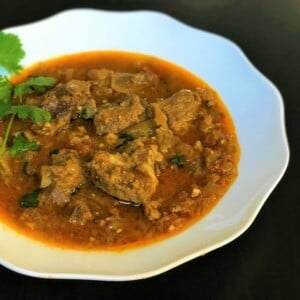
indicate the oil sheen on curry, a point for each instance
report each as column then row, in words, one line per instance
column 137, row 150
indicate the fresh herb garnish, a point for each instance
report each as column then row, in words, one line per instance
column 30, row 200
column 37, row 84
column 21, row 145
column 11, row 53
column 25, row 112
column 178, row 160
column 125, row 138
column 86, row 113
column 5, row 89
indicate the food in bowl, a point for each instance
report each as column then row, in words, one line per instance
column 137, row 149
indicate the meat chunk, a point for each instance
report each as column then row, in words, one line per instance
column 181, row 108
column 172, row 145
column 208, row 96
column 168, row 143
column 142, row 129
column 133, row 83
column 66, row 101
column 165, row 138
column 68, row 97
column 63, row 177
column 57, row 124
column 81, row 213
column 101, row 88
column 102, row 76
column 115, row 118
column 127, row 177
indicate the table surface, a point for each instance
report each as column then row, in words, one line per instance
column 264, row 262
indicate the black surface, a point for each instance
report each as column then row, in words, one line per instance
column 264, row 262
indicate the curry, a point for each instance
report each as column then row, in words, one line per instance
column 137, row 150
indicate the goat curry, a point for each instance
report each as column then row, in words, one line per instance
column 137, row 150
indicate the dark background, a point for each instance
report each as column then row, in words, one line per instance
column 264, row 262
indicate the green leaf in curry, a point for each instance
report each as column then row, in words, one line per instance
column 178, row 160
column 32, row 113
column 21, row 145
column 30, row 200
column 125, row 138
column 86, row 113
column 11, row 52
column 25, row 112
column 5, row 110
column 37, row 84
column 5, row 89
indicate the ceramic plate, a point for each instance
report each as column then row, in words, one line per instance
column 253, row 101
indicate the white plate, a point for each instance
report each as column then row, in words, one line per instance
column 254, row 102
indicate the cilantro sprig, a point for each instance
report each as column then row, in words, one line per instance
column 11, row 53
column 5, row 89
column 21, row 145
column 37, row 84
column 25, row 112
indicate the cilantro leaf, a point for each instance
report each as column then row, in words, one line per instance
column 11, row 52
column 35, row 84
column 5, row 110
column 30, row 200
column 21, row 145
column 86, row 113
column 25, row 112
column 30, row 112
column 125, row 139
column 178, row 160
column 5, row 89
